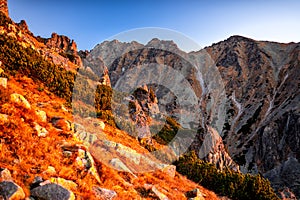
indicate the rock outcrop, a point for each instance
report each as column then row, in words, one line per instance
column 66, row 47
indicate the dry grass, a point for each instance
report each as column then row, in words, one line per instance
column 26, row 155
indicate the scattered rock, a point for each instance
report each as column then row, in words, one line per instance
column 119, row 165
column 85, row 162
column 195, row 194
column 41, row 131
column 64, row 108
column 3, row 82
column 41, row 115
column 11, row 191
column 51, row 191
column 61, row 123
column 159, row 194
column 70, row 185
column 170, row 170
column 103, row 193
column 19, row 100
column 50, row 171
column 129, row 153
column 100, row 124
column 3, row 118
column 5, row 175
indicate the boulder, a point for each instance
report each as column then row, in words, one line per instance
column 159, row 194
column 41, row 131
column 103, row 193
column 20, row 100
column 11, row 191
column 195, row 194
column 169, row 170
column 51, row 191
column 3, row 82
column 86, row 162
column 61, row 123
column 129, row 153
column 50, row 171
column 100, row 124
column 3, row 118
column 5, row 175
column 70, row 185
column 119, row 165
column 41, row 115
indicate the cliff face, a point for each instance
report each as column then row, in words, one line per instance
column 261, row 81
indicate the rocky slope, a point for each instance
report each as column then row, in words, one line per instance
column 235, row 103
column 48, row 153
column 263, row 87
column 260, row 103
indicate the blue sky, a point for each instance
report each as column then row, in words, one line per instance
column 91, row 22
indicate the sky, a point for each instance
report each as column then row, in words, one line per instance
column 91, row 22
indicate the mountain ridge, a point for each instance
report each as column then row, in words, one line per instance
column 230, row 63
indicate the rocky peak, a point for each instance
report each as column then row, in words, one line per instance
column 66, row 47
column 23, row 26
column 162, row 44
column 4, row 7
column 61, row 42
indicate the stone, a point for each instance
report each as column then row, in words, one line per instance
column 51, row 191
column 3, row 82
column 5, row 175
column 169, row 170
column 129, row 153
column 70, row 185
column 41, row 131
column 41, row 115
column 119, row 165
column 195, row 194
column 86, row 162
column 103, row 193
column 61, row 123
column 11, row 191
column 50, row 171
column 159, row 194
column 20, row 100
column 3, row 119
column 100, row 124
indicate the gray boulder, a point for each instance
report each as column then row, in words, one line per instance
column 51, row 191
column 10, row 190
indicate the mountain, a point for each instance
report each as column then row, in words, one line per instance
column 120, row 122
column 261, row 112
column 262, row 80
column 46, row 153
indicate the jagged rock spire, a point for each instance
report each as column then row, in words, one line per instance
column 4, row 7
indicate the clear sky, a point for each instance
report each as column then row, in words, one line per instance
column 90, row 22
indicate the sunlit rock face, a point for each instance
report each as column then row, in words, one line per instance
column 262, row 83
column 261, row 124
